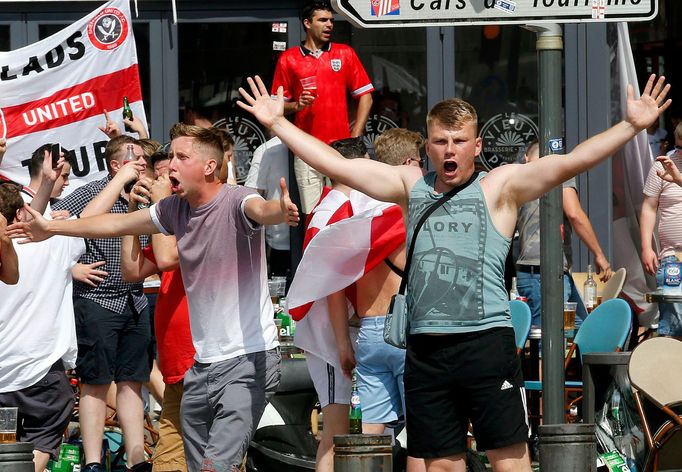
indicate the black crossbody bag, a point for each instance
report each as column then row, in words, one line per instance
column 396, row 325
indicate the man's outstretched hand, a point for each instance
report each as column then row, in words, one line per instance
column 643, row 112
column 260, row 104
column 288, row 207
column 34, row 230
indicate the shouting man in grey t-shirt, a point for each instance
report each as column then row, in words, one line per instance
column 219, row 231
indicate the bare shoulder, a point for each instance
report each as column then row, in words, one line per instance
column 496, row 184
column 410, row 175
column 500, row 175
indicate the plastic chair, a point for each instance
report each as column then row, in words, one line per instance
column 613, row 286
column 520, row 316
column 654, row 369
column 605, row 330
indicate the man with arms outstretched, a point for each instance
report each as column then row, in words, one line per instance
column 461, row 364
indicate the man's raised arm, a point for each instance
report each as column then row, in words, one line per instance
column 378, row 180
column 101, row 226
column 529, row 181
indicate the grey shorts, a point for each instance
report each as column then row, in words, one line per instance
column 222, row 403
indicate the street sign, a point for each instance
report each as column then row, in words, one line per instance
column 400, row 13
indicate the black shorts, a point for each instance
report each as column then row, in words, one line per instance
column 44, row 410
column 453, row 379
column 111, row 346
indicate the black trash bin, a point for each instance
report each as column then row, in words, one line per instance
column 568, row 447
column 16, row 457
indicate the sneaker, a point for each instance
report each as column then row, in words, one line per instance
column 94, row 467
column 141, row 467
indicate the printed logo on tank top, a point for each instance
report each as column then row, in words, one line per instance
column 447, row 267
column 336, row 64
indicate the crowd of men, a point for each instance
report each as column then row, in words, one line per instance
column 175, row 210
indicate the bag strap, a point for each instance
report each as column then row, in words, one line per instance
column 394, row 267
column 420, row 223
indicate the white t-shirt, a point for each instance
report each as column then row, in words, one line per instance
column 36, row 315
column 270, row 162
column 222, row 259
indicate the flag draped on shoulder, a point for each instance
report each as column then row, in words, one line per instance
column 346, row 237
column 56, row 90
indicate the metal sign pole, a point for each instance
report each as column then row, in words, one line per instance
column 550, row 48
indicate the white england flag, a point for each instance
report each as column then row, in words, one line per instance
column 56, row 91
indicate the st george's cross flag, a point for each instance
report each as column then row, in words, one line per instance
column 56, row 91
column 347, row 237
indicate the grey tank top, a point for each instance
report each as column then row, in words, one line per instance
column 456, row 279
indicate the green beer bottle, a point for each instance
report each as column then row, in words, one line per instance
column 127, row 113
column 355, row 412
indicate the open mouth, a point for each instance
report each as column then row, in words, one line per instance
column 450, row 166
column 175, row 183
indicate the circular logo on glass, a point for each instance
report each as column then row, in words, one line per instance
column 247, row 137
column 376, row 125
column 504, row 136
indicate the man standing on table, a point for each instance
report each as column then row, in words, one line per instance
column 316, row 77
column 222, row 257
column 461, row 363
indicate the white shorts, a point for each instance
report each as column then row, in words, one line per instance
column 330, row 383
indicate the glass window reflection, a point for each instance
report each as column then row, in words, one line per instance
column 395, row 61
column 496, row 71
column 4, row 38
column 214, row 61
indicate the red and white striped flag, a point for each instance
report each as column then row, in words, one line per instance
column 346, row 238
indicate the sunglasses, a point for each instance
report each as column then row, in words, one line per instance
column 420, row 162
column 165, row 149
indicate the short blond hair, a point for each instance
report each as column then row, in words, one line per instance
column 394, row 146
column 453, row 113
column 206, row 139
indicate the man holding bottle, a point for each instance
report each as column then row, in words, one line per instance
column 112, row 320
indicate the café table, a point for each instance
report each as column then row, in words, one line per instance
column 531, row 369
column 659, row 296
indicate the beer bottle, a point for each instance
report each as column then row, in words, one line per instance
column 130, row 156
column 127, row 113
column 355, row 412
column 590, row 290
